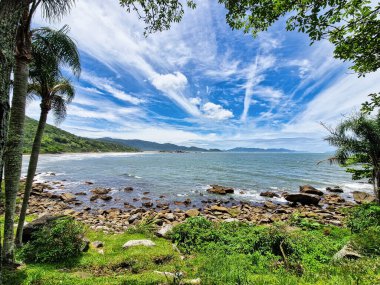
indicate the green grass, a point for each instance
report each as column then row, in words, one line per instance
column 217, row 253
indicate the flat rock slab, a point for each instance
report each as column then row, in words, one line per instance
column 139, row 242
column 302, row 198
column 363, row 198
column 346, row 252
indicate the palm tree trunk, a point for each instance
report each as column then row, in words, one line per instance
column 10, row 14
column 377, row 186
column 31, row 172
column 14, row 146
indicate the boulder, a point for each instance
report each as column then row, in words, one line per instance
column 219, row 209
column 97, row 244
column 346, row 252
column 134, row 217
column 68, row 197
column 216, row 189
column 304, row 199
column 335, row 189
column 270, row 205
column 310, row 190
column 37, row 224
column 192, row 213
column 169, row 216
column 100, row 191
column 139, row 242
column 105, row 197
column 363, row 198
column 147, row 204
column 164, row 230
column 128, row 189
column 269, row 194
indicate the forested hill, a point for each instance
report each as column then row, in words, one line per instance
column 56, row 140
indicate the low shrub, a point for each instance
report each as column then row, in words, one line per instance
column 364, row 216
column 368, row 241
column 57, row 241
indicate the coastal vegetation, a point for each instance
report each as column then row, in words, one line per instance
column 56, row 140
column 207, row 252
column 268, row 244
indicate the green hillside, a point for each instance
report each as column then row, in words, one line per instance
column 56, row 140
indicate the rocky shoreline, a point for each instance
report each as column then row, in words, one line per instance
column 322, row 207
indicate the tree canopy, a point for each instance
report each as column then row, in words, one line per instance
column 353, row 26
column 357, row 139
column 159, row 14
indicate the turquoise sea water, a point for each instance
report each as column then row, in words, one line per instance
column 188, row 175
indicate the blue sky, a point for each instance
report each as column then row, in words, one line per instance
column 203, row 84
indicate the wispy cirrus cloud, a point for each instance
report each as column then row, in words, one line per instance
column 201, row 83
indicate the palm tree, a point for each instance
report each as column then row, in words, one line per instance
column 14, row 144
column 50, row 50
column 358, row 143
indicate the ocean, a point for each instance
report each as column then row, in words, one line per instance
column 179, row 176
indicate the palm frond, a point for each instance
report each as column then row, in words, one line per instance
column 55, row 9
column 53, row 48
column 64, row 89
column 59, row 107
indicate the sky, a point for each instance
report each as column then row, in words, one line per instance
column 203, row 84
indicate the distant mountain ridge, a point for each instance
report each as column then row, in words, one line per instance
column 243, row 149
column 153, row 146
column 56, row 140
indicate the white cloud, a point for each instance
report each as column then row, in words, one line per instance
column 215, row 111
column 110, row 87
column 173, row 85
column 254, row 74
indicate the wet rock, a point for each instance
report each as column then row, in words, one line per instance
column 310, row 190
column 100, row 191
column 146, row 193
column 94, row 197
column 162, row 205
column 105, row 197
column 192, row 213
column 147, row 204
column 187, row 202
column 67, row 197
column 304, row 199
column 269, row 194
column 217, row 189
column 139, row 242
column 88, row 183
column 335, row 189
column 81, row 193
column 363, row 198
column 128, row 189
